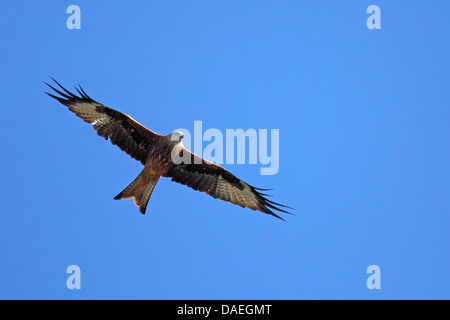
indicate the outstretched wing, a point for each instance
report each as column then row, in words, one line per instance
column 129, row 135
column 205, row 176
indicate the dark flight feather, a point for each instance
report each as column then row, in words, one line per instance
column 129, row 135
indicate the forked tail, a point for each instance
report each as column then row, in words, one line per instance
column 140, row 190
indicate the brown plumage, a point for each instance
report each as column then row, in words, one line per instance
column 156, row 152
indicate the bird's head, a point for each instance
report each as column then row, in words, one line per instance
column 176, row 136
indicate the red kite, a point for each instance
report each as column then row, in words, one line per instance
column 156, row 152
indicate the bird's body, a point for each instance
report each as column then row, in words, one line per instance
column 162, row 156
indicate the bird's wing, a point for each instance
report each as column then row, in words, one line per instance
column 214, row 180
column 129, row 135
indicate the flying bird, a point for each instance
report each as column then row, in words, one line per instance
column 160, row 155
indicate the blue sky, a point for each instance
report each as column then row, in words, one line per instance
column 364, row 149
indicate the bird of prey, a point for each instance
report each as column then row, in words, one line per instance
column 156, row 152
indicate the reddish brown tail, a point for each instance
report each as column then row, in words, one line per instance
column 140, row 191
